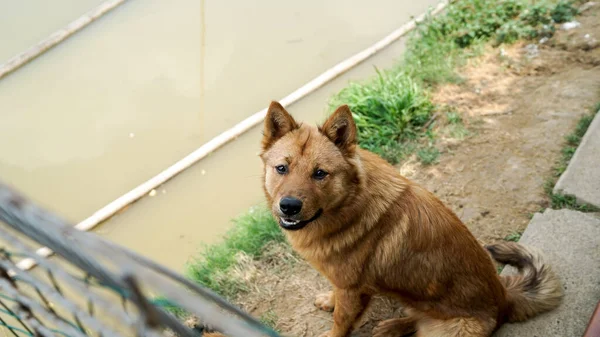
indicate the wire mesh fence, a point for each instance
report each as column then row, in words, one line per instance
column 92, row 287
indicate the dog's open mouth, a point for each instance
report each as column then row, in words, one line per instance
column 291, row 224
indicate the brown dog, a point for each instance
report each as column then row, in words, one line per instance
column 371, row 231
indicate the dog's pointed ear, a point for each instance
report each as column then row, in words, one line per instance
column 277, row 123
column 341, row 129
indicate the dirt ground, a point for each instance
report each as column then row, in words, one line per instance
column 517, row 104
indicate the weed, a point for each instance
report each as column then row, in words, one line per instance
column 582, row 126
column 455, row 128
column 251, row 232
column 269, row 318
column 387, row 110
column 428, row 155
column 431, row 58
column 558, row 201
column 170, row 307
column 572, row 141
column 514, row 236
column 563, row 12
column 458, row 131
column 453, row 117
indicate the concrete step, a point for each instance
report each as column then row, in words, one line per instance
column 570, row 241
column 582, row 177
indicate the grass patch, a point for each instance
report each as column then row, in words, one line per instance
column 514, row 236
column 454, row 117
column 170, row 307
column 572, row 141
column 392, row 108
column 559, row 200
column 387, row 110
column 269, row 318
column 250, row 234
column 458, row 131
column 429, row 155
column 564, row 11
column 214, row 267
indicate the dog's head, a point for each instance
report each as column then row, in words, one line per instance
column 308, row 171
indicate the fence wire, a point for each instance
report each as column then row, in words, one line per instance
column 93, row 287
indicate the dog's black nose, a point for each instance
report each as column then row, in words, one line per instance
column 290, row 205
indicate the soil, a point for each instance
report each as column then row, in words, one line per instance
column 517, row 104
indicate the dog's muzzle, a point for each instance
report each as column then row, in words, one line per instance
column 294, row 225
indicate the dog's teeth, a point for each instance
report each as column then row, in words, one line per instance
column 289, row 222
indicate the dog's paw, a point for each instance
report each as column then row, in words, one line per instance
column 325, row 334
column 325, row 301
column 395, row 327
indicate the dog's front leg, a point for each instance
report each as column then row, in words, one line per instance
column 349, row 306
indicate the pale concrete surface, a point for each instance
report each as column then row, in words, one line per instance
column 582, row 177
column 570, row 241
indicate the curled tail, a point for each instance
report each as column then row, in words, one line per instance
column 535, row 289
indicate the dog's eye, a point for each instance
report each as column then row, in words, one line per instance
column 320, row 174
column 281, row 169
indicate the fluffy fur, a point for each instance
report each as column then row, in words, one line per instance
column 371, row 231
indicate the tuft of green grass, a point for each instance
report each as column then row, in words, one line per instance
column 458, row 131
column 269, row 318
column 582, row 126
column 514, row 236
column 559, row 200
column 170, row 307
column 454, row 117
column 250, row 234
column 391, row 108
column 564, row 11
column 388, row 109
column 572, row 141
column 428, row 155
column 431, row 58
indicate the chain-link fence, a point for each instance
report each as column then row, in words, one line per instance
column 92, row 287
